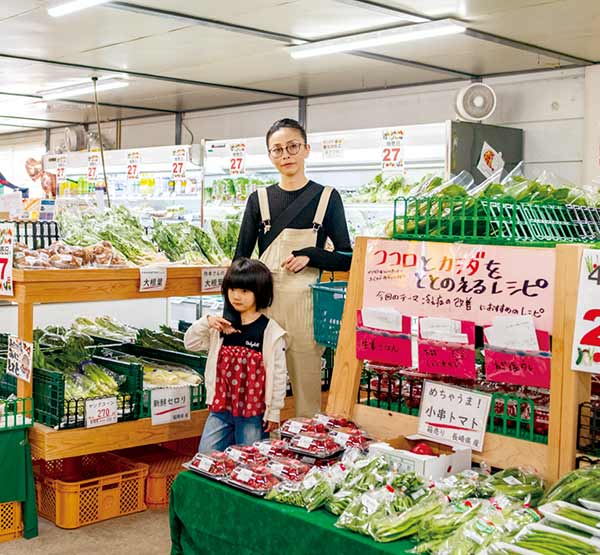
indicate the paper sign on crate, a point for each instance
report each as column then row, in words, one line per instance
column 474, row 283
column 447, row 348
column 153, row 278
column 453, row 415
column 19, row 359
column 100, row 412
column 391, row 345
column 170, row 404
column 212, row 279
column 7, row 241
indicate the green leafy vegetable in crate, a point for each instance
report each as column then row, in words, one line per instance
column 178, row 242
column 160, row 340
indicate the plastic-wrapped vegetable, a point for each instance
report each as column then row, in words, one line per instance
column 340, row 500
column 288, row 493
column 367, row 507
column 465, row 485
column 408, row 482
column 583, row 483
column 516, row 483
column 317, row 488
column 368, row 473
column 550, row 541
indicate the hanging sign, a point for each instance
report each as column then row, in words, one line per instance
column 237, row 159
column 490, row 161
column 212, row 279
column 170, row 404
column 381, row 343
column 392, row 152
column 19, row 360
column 93, row 165
column 7, row 241
column 453, row 415
column 153, row 278
column 474, row 283
column 178, row 163
column 61, row 168
column 100, row 412
column 586, row 339
column 134, row 158
column 333, row 149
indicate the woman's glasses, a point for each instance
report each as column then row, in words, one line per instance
column 291, row 149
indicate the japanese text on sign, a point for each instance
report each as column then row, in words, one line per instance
column 212, row 279
column 61, row 167
column 392, row 152
column 468, row 282
column 453, row 415
column 133, row 165
column 178, row 163
column 237, row 160
column 92, row 171
column 170, row 404
column 19, row 360
column 100, row 412
column 7, row 238
column 586, row 339
column 153, row 278
column 333, row 149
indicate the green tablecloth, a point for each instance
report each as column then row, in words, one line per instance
column 16, row 482
column 210, row 518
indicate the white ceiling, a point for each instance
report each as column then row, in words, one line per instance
column 178, row 63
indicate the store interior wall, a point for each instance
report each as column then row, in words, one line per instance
column 592, row 125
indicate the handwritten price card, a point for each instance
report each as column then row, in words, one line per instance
column 392, row 152
column 237, row 160
column 474, row 283
column 178, row 162
column 7, row 241
column 382, row 345
column 93, row 164
column 134, row 159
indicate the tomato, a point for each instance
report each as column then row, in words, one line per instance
column 422, row 449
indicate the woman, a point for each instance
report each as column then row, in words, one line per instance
column 291, row 222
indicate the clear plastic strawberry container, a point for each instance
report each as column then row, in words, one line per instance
column 350, row 437
column 300, row 425
column 257, row 480
column 274, row 448
column 333, row 422
column 314, row 444
column 286, row 468
column 245, row 454
column 217, row 464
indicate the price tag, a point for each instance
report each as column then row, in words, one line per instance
column 392, row 152
column 19, row 360
column 133, row 165
column 237, row 160
column 93, row 164
column 453, row 415
column 333, row 149
column 204, row 463
column 178, row 163
column 244, row 475
column 340, row 438
column 234, row 454
column 264, row 448
column 212, row 279
column 304, row 442
column 295, row 427
column 586, row 339
column 7, row 239
column 100, row 412
column 153, row 278
column 276, row 468
column 170, row 404
column 61, row 167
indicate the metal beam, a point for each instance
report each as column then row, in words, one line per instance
column 47, row 140
column 178, row 126
column 41, row 119
column 302, row 111
column 386, row 10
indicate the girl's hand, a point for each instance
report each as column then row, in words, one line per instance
column 295, row 264
column 221, row 325
column 271, row 426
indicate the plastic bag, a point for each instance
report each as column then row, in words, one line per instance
column 366, row 507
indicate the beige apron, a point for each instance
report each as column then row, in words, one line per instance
column 292, row 305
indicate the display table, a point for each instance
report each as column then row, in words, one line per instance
column 211, row 518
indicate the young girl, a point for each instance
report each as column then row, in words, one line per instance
column 246, row 374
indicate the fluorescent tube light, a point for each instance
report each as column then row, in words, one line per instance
column 74, row 6
column 103, row 84
column 372, row 39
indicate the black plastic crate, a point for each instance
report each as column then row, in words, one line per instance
column 36, row 235
column 588, row 428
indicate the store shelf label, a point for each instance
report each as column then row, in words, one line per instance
column 212, row 279
column 93, row 164
column 153, row 278
column 392, row 151
column 237, row 159
column 61, row 168
column 179, row 160
column 453, row 415
column 19, row 360
column 100, row 412
column 333, row 149
column 134, row 159
column 170, row 404
column 7, row 241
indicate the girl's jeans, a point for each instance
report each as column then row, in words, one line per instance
column 222, row 429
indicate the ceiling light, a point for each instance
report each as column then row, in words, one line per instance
column 103, row 84
column 372, row 39
column 74, row 6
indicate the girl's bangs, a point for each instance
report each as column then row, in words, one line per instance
column 241, row 280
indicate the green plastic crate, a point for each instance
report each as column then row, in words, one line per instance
column 17, row 413
column 520, row 424
column 328, row 303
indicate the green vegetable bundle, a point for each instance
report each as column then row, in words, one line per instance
column 316, row 489
column 368, row 473
column 226, row 233
column 288, row 493
column 367, row 508
column 516, row 483
column 159, row 340
column 579, row 484
column 550, row 541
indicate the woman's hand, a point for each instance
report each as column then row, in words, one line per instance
column 271, row 426
column 221, row 325
column 295, row 264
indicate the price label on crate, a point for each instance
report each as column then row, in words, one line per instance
column 7, row 241
column 392, row 151
column 453, row 415
column 333, row 149
column 134, row 159
column 153, row 278
column 93, row 164
column 237, row 160
column 100, row 412
column 586, row 339
column 19, row 360
column 178, row 163
column 170, row 404
column 212, row 279
column 61, row 168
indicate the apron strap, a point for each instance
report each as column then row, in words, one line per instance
column 322, row 208
column 265, row 212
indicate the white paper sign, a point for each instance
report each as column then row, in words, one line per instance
column 392, row 152
column 212, row 279
column 586, row 339
column 442, row 329
column 237, row 160
column 490, row 161
column 170, row 404
column 382, row 319
column 178, row 163
column 93, row 164
column 134, row 159
column 7, row 241
column 513, row 332
column 61, row 167
column 153, row 278
column 453, row 415
column 100, row 412
column 19, row 359
column 333, row 149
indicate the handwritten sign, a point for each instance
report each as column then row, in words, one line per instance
column 384, row 346
column 100, row 412
column 453, row 415
column 170, row 404
column 447, row 358
column 61, row 168
column 92, row 170
column 178, row 163
column 212, row 279
column 333, row 149
column 392, row 152
column 134, row 159
column 474, row 283
column 7, row 240
column 153, row 278
column 586, row 339
column 19, row 360
column 237, row 160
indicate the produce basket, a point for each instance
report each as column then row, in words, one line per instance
column 11, row 521
column 15, row 413
column 391, row 389
column 36, row 235
column 78, row 491
column 515, row 416
column 328, row 302
column 588, row 428
column 504, row 222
